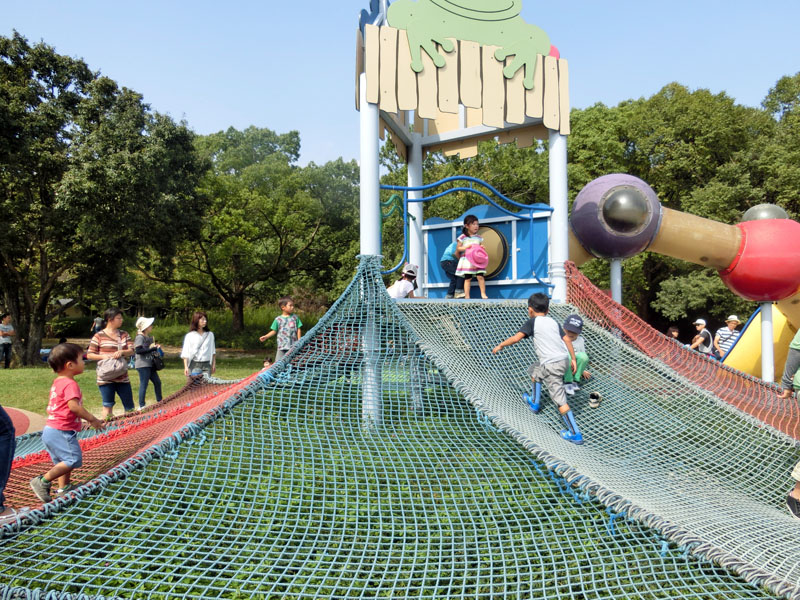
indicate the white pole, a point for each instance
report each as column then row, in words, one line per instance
column 370, row 207
column 370, row 175
column 416, row 249
column 767, row 343
column 616, row 280
column 559, row 235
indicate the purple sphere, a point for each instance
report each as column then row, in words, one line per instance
column 616, row 216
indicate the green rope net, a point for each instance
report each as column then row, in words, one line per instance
column 391, row 456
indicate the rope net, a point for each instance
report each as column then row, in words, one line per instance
column 391, row 456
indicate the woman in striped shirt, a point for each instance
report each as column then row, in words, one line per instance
column 112, row 342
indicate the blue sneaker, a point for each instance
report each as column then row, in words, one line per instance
column 571, row 433
column 575, row 438
column 536, row 407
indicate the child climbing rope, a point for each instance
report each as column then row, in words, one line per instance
column 556, row 355
column 64, row 413
column 573, row 326
column 471, row 265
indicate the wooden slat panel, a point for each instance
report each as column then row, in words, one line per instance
column 443, row 123
column 525, row 137
column 359, row 66
column 464, row 148
column 474, row 117
column 399, row 146
column 426, row 82
column 470, row 87
column 448, row 80
column 550, row 115
column 506, row 136
column 563, row 96
column 388, row 69
column 406, row 78
column 515, row 96
column 534, row 98
column 494, row 88
column 371, row 63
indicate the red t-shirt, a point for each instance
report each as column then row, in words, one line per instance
column 59, row 416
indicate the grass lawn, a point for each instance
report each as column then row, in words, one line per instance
column 27, row 388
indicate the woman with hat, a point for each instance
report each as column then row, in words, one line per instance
column 726, row 336
column 404, row 287
column 144, row 347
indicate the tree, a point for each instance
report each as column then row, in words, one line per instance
column 88, row 174
column 267, row 221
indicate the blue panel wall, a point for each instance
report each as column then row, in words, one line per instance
column 531, row 244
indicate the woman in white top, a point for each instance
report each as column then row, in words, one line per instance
column 199, row 352
column 404, row 287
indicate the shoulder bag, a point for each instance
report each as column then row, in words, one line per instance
column 109, row 369
column 157, row 360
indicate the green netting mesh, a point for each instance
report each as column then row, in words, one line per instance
column 443, row 486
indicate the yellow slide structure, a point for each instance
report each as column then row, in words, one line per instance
column 746, row 353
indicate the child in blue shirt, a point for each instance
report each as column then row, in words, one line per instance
column 449, row 264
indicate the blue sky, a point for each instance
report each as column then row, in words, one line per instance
column 290, row 64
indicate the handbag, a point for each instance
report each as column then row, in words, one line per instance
column 157, row 360
column 109, row 369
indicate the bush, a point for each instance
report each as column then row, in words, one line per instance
column 170, row 331
column 257, row 320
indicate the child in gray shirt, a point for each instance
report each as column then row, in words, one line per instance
column 556, row 355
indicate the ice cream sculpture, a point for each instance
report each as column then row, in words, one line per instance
column 618, row 216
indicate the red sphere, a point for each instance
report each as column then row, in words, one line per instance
column 767, row 267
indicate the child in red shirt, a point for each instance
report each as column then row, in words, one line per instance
column 64, row 413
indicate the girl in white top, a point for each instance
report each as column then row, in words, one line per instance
column 199, row 352
column 404, row 287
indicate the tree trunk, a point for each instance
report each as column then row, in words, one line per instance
column 33, row 340
column 237, row 309
column 29, row 323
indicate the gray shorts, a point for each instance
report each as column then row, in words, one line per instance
column 63, row 446
column 198, row 367
column 552, row 376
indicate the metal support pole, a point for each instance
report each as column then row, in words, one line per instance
column 616, row 280
column 369, row 175
column 416, row 247
column 370, row 206
column 559, row 233
column 767, row 343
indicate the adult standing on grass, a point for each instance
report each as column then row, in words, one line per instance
column 111, row 346
column 7, row 334
column 144, row 345
column 199, row 351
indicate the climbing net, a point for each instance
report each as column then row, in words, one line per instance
column 390, row 455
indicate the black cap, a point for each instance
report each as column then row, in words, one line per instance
column 573, row 323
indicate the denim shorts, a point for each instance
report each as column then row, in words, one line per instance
column 63, row 446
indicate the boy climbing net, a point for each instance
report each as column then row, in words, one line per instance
column 556, row 355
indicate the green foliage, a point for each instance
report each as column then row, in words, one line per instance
column 87, row 174
column 698, row 294
column 268, row 225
